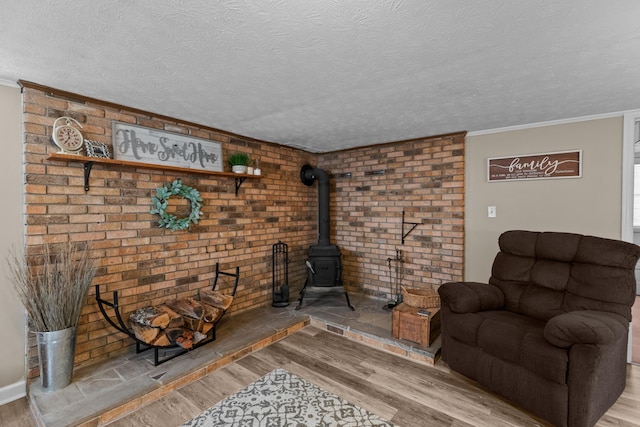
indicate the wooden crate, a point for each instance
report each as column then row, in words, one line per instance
column 407, row 324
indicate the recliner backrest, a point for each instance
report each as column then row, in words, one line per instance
column 543, row 274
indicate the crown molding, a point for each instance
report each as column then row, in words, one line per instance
column 10, row 83
column 549, row 123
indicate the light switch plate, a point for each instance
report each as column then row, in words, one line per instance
column 491, row 211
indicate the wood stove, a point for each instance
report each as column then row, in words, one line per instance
column 324, row 262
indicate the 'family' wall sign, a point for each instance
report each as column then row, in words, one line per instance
column 158, row 147
column 565, row 164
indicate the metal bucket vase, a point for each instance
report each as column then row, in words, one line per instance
column 56, row 350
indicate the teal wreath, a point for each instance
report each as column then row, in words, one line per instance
column 161, row 198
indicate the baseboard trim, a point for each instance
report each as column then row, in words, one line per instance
column 13, row 392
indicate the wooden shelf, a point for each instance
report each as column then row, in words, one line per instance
column 89, row 161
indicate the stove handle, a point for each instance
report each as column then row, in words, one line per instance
column 310, row 267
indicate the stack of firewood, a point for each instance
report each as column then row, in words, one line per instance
column 184, row 322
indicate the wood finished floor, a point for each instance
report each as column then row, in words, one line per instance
column 403, row 392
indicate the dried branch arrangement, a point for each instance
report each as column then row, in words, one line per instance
column 53, row 286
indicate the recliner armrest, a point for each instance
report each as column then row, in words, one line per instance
column 585, row 327
column 470, row 297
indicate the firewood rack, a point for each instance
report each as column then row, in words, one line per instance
column 142, row 346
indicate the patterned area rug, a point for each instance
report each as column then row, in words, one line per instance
column 281, row 399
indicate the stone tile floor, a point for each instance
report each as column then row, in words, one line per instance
column 103, row 392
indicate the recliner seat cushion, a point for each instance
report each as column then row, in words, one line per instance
column 513, row 338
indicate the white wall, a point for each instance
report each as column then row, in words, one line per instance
column 588, row 205
column 12, row 332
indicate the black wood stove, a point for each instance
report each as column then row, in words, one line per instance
column 324, row 262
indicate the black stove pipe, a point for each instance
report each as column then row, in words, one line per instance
column 308, row 174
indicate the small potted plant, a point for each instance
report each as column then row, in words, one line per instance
column 239, row 162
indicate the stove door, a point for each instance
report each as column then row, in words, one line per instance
column 328, row 271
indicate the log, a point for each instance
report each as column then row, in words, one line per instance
column 176, row 333
column 198, row 336
column 215, row 298
column 176, row 320
column 185, row 343
column 173, row 334
column 206, row 328
column 212, row 314
column 186, row 339
column 162, row 340
column 150, row 316
column 146, row 334
column 193, row 324
column 187, row 307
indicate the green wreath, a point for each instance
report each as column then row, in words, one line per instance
column 161, row 198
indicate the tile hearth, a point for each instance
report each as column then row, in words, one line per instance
column 106, row 391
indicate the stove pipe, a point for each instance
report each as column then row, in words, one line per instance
column 308, row 174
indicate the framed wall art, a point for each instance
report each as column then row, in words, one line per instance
column 96, row 149
column 147, row 145
column 561, row 164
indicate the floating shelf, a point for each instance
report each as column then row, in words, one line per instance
column 89, row 161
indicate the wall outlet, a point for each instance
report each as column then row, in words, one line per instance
column 491, row 211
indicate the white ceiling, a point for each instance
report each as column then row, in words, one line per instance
column 325, row 75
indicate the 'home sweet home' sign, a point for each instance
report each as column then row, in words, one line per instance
column 146, row 145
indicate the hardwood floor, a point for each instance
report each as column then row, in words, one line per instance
column 403, row 392
column 16, row 414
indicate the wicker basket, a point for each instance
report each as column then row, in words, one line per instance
column 421, row 298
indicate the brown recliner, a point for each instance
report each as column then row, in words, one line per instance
column 550, row 329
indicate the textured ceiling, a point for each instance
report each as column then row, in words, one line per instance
column 325, row 75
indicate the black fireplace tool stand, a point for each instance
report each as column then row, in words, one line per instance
column 280, row 275
column 397, row 283
column 142, row 346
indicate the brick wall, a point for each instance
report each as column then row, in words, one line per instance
column 144, row 263
column 147, row 264
column 371, row 187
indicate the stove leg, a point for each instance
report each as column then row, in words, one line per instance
column 348, row 302
column 301, row 296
